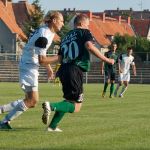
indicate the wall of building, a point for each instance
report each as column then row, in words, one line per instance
column 7, row 39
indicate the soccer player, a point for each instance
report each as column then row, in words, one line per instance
column 34, row 55
column 109, row 70
column 75, row 59
column 125, row 61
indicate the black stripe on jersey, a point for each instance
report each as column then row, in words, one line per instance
column 41, row 42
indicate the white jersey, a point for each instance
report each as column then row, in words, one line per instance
column 125, row 63
column 31, row 52
column 37, row 45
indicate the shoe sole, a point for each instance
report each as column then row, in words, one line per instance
column 46, row 113
column 51, row 130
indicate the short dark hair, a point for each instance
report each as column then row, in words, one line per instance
column 80, row 18
column 129, row 48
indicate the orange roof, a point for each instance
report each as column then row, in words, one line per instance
column 103, row 29
column 22, row 11
column 141, row 27
column 8, row 17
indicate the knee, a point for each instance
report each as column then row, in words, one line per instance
column 31, row 103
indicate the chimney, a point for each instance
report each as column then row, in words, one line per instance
column 89, row 14
column 129, row 21
column 119, row 19
column 104, row 17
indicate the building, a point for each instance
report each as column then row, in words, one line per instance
column 11, row 34
column 145, row 14
column 141, row 27
column 12, row 19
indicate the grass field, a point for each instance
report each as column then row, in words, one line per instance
column 102, row 124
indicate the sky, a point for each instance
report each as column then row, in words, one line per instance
column 93, row 5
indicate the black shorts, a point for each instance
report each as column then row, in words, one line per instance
column 110, row 75
column 71, row 77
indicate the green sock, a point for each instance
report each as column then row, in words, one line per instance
column 105, row 87
column 111, row 89
column 63, row 106
column 56, row 119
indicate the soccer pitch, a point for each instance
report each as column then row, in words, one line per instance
column 102, row 123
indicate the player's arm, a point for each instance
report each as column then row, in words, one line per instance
column 44, row 60
column 95, row 51
column 134, row 69
column 50, row 72
column 41, row 46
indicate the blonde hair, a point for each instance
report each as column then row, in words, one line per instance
column 52, row 15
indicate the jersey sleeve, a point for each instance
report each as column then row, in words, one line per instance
column 41, row 42
column 88, row 36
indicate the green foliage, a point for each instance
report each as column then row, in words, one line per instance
column 35, row 18
column 123, row 42
column 139, row 44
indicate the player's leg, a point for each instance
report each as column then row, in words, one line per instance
column 117, row 88
column 120, row 82
column 112, row 84
column 8, row 107
column 124, row 88
column 106, row 82
column 72, row 83
column 126, row 80
column 30, row 100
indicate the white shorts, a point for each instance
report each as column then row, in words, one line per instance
column 124, row 77
column 28, row 79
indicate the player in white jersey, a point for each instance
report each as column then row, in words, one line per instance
column 34, row 55
column 124, row 63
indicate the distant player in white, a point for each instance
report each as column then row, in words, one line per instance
column 124, row 63
column 34, row 55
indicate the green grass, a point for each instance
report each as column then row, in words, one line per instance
column 102, row 124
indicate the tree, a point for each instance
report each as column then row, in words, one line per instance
column 140, row 45
column 35, row 19
column 124, row 41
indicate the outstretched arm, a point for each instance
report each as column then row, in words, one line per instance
column 44, row 60
column 90, row 46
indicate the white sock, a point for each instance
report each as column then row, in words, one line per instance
column 9, row 107
column 124, row 88
column 17, row 111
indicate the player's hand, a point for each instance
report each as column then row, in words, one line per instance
column 111, row 61
column 50, row 74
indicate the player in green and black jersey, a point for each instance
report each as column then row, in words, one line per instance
column 75, row 59
column 109, row 70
